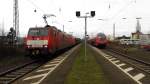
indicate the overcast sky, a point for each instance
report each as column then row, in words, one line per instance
column 65, row 11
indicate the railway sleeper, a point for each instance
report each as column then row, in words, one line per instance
column 18, row 73
column 147, row 70
column 21, row 72
column 31, row 66
column 27, row 69
column 4, row 82
column 13, row 75
column 145, row 67
column 5, row 79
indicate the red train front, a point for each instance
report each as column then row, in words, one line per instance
column 99, row 41
column 47, row 40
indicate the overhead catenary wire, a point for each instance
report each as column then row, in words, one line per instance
column 36, row 6
column 119, row 11
column 122, row 10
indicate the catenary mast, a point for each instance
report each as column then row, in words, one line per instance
column 16, row 17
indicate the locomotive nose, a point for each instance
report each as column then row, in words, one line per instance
column 36, row 38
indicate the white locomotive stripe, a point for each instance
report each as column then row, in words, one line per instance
column 37, row 42
column 36, row 76
column 139, row 76
column 43, row 70
column 135, row 78
column 128, row 69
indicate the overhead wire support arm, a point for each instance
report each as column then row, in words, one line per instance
column 45, row 16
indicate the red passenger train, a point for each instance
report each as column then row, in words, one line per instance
column 99, row 41
column 47, row 40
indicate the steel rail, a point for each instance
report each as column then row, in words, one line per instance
column 13, row 74
column 140, row 64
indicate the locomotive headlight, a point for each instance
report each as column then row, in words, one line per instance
column 45, row 46
column 28, row 46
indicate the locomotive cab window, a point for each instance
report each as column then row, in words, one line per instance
column 38, row 32
column 101, row 35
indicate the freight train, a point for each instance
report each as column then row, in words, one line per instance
column 99, row 40
column 47, row 40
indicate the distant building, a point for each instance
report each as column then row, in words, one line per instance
column 123, row 37
column 136, row 35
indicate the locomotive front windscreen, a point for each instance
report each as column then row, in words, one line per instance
column 101, row 35
column 38, row 32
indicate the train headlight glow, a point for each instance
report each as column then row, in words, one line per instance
column 28, row 46
column 45, row 46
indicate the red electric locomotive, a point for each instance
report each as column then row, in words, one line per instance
column 99, row 41
column 47, row 40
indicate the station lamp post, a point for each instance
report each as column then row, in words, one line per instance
column 85, row 17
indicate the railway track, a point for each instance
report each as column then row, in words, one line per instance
column 136, row 69
column 14, row 74
column 11, row 75
column 140, row 64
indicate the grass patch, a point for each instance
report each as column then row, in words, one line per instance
column 86, row 72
